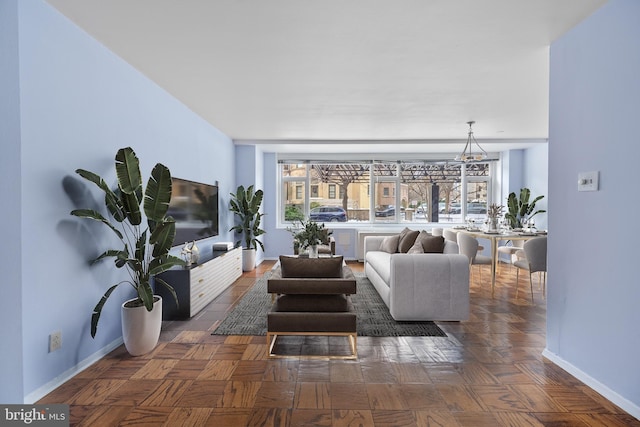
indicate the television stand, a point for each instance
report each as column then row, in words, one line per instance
column 199, row 284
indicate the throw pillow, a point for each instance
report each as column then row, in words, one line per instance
column 416, row 248
column 325, row 267
column 432, row 244
column 390, row 244
column 407, row 239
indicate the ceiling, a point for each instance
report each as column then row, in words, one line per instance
column 346, row 76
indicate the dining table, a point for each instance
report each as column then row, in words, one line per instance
column 495, row 237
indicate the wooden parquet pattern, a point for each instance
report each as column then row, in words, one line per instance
column 488, row 372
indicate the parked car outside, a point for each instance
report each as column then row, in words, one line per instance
column 328, row 213
column 385, row 212
column 476, row 208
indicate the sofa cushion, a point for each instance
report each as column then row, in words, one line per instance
column 381, row 263
column 329, row 267
column 406, row 240
column 390, row 244
column 416, row 248
column 312, row 303
column 431, row 244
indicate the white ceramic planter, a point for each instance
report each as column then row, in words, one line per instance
column 248, row 259
column 141, row 328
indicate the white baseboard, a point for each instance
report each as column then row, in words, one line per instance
column 609, row 394
column 39, row 393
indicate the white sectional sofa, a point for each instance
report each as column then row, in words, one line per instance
column 419, row 286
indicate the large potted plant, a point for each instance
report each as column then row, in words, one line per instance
column 145, row 247
column 521, row 209
column 245, row 204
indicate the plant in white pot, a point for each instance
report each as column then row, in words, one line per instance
column 145, row 247
column 521, row 209
column 245, row 204
column 309, row 235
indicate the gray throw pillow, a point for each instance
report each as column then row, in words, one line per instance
column 325, row 267
column 407, row 239
column 432, row 244
column 416, row 248
column 390, row 244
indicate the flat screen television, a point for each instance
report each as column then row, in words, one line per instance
column 194, row 206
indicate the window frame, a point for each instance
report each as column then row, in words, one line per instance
column 396, row 192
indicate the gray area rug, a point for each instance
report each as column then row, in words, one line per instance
column 249, row 317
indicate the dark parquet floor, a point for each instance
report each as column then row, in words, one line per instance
column 488, row 372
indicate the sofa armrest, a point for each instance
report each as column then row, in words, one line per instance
column 437, row 284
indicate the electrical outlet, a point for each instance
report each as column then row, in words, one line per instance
column 55, row 341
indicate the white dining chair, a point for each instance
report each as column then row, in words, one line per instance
column 468, row 245
column 450, row 234
column 535, row 261
column 510, row 249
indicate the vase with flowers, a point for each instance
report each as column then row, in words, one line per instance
column 493, row 213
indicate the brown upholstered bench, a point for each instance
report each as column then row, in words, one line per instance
column 306, row 304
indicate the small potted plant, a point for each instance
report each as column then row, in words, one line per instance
column 145, row 247
column 309, row 235
column 245, row 204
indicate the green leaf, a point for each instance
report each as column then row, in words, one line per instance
column 145, row 293
column 119, row 255
column 97, row 216
column 141, row 247
column 97, row 310
column 163, row 236
column 128, row 170
column 164, row 263
column 131, row 207
column 169, row 288
column 111, row 200
column 158, row 193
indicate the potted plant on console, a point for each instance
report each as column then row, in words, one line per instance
column 145, row 249
column 245, row 204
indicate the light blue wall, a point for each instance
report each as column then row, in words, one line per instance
column 535, row 176
column 11, row 219
column 593, row 294
column 250, row 171
column 79, row 104
column 526, row 168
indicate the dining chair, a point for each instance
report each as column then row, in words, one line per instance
column 535, row 261
column 510, row 249
column 450, row 235
column 468, row 245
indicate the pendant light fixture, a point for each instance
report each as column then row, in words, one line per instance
column 467, row 154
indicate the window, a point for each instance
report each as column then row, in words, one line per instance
column 332, row 191
column 294, row 177
column 386, row 191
